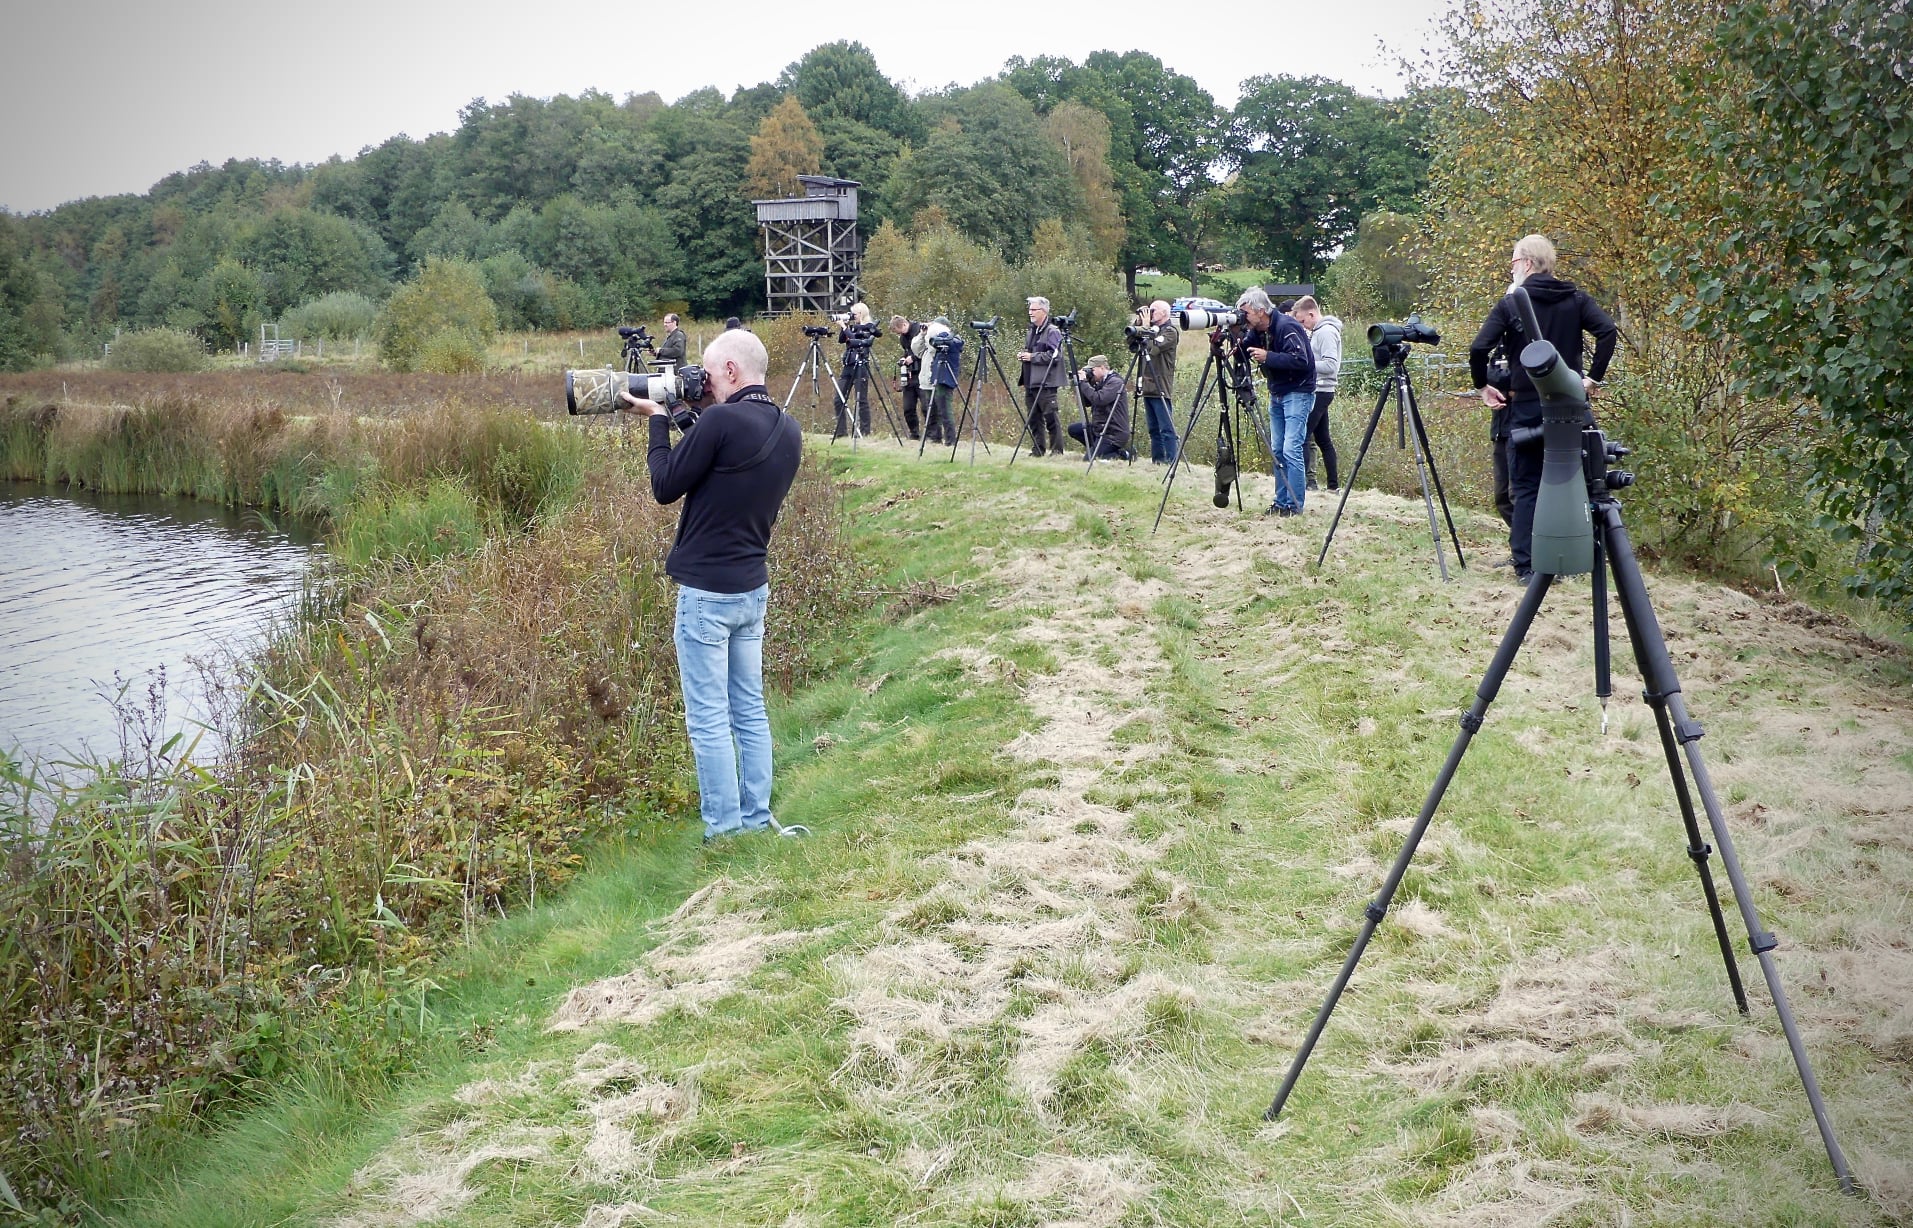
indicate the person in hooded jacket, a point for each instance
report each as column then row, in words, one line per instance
column 1564, row 313
column 940, row 354
column 1325, row 338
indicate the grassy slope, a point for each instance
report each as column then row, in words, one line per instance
column 1091, row 840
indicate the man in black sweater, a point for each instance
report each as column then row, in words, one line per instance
column 1564, row 313
column 733, row 469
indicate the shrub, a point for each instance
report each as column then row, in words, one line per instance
column 449, row 296
column 340, row 316
column 157, row 349
column 450, row 351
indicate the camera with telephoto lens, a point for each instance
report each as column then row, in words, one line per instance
column 636, row 340
column 595, row 391
column 1197, row 320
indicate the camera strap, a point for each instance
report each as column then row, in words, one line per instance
column 770, row 442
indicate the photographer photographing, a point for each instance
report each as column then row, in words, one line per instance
column 1280, row 346
column 1103, row 391
column 1158, row 381
column 857, row 334
column 733, row 469
column 1042, row 358
column 1564, row 312
column 909, row 369
column 941, row 373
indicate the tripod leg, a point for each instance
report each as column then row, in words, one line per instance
column 1657, row 668
column 1470, row 723
column 1348, row 483
column 883, row 399
column 1405, row 409
column 1175, row 464
column 1421, row 433
column 1008, row 390
column 975, row 424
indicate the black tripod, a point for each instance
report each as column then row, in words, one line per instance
column 1402, row 389
column 971, row 419
column 1678, row 732
column 857, row 376
column 1229, row 376
column 814, row 363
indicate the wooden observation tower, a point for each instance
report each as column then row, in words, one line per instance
column 812, row 255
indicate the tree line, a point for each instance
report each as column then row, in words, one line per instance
column 585, row 211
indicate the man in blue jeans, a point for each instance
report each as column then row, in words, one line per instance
column 1280, row 346
column 732, row 469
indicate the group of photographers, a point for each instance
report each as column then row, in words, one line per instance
column 734, row 471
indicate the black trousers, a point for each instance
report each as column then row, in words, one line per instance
column 1318, row 438
column 1524, row 484
column 858, row 374
column 937, row 426
column 1042, row 408
column 1104, row 446
column 909, row 397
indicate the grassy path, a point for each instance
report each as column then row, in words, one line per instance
column 1096, row 817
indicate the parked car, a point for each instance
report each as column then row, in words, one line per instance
column 1189, row 302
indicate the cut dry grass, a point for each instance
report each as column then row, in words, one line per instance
column 1092, row 839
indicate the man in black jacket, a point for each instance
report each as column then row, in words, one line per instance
column 1280, row 346
column 732, row 469
column 1564, row 313
column 909, row 369
column 1108, row 401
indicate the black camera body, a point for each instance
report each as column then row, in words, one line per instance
column 861, row 335
column 943, row 341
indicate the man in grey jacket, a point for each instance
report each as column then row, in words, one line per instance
column 1325, row 338
column 671, row 348
column 1042, row 358
column 1158, row 380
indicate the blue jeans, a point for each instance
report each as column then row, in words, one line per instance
column 720, row 641
column 1163, row 442
column 1288, row 430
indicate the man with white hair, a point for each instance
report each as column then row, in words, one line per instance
column 1280, row 346
column 1043, row 362
column 733, row 469
column 1158, row 381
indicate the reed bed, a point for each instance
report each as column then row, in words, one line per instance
column 479, row 686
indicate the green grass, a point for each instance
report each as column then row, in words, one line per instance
column 1262, row 733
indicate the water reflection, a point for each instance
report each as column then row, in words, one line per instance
column 94, row 584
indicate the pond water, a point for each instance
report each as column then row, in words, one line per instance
column 142, row 587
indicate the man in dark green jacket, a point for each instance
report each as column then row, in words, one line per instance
column 1158, row 382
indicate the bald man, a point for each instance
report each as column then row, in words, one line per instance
column 733, row 469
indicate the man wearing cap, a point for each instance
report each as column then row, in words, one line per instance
column 1108, row 401
column 1042, row 358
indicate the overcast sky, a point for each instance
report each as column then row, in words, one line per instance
column 98, row 99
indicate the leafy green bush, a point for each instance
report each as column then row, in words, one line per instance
column 450, row 351
column 157, row 349
column 340, row 316
column 449, row 296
